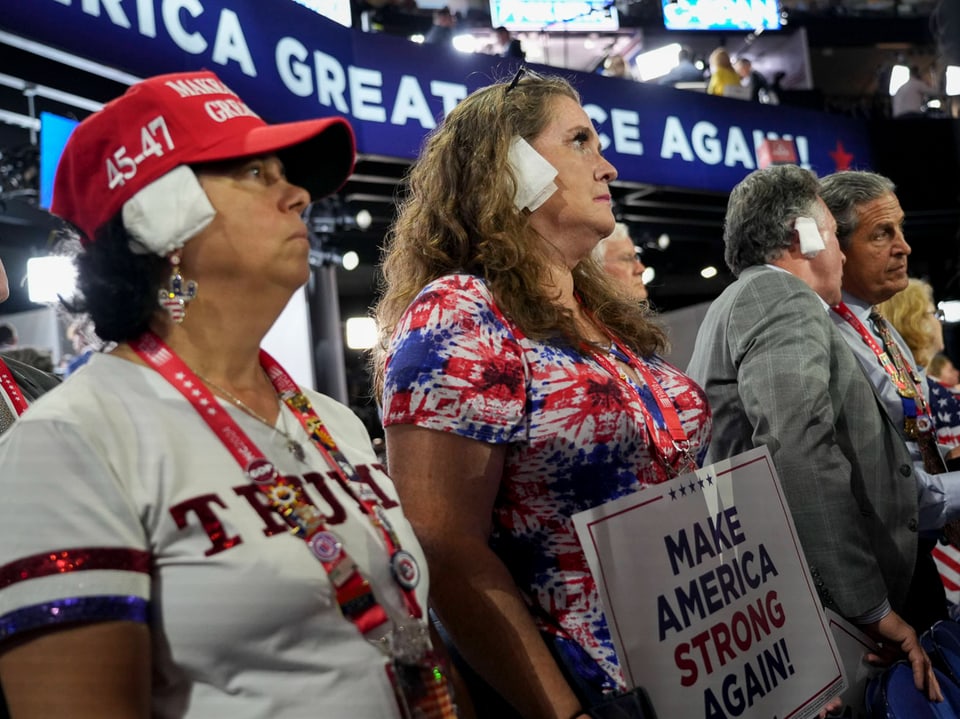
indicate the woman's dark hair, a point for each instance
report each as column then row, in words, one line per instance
column 117, row 287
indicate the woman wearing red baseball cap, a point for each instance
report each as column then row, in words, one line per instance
column 186, row 532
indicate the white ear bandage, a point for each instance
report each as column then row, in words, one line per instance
column 534, row 175
column 811, row 242
column 167, row 212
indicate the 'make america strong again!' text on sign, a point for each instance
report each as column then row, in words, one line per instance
column 716, row 617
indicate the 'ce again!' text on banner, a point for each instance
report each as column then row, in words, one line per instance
column 298, row 64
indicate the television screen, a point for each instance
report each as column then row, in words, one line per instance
column 336, row 10
column 555, row 15
column 744, row 15
column 54, row 131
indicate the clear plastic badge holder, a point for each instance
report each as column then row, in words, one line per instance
column 419, row 676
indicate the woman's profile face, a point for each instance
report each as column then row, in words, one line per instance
column 257, row 238
column 579, row 213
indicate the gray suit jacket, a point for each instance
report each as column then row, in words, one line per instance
column 778, row 373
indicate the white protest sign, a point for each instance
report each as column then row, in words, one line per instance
column 708, row 596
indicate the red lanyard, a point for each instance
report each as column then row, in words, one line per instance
column 9, row 385
column 353, row 591
column 913, row 390
column 662, row 416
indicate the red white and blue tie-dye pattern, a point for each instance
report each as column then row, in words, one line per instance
column 576, row 437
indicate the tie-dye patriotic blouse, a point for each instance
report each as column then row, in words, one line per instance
column 576, row 437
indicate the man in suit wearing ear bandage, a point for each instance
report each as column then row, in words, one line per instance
column 778, row 373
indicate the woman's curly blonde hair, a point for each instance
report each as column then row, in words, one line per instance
column 459, row 216
column 909, row 312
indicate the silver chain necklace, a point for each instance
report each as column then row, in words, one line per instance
column 293, row 446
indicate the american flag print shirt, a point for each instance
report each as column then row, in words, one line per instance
column 945, row 409
column 575, row 433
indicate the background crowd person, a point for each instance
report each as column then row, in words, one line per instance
column 508, row 46
column 722, row 75
column 616, row 66
column 942, row 369
column 83, row 341
column 684, row 71
column 911, row 97
column 620, row 259
column 913, row 314
column 492, row 303
column 377, row 15
column 778, row 374
column 441, row 32
column 752, row 79
column 8, row 333
column 216, row 541
column 870, row 230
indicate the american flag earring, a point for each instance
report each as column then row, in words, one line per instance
column 178, row 293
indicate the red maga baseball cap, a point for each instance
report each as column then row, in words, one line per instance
column 182, row 119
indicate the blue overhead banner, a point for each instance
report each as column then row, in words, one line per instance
column 289, row 63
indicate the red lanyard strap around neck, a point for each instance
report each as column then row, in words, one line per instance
column 353, row 591
column 917, row 423
column 659, row 417
column 9, row 386
column 907, row 386
column 668, row 412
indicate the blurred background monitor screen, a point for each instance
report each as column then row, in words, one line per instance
column 745, row 15
column 336, row 10
column 54, row 131
column 555, row 15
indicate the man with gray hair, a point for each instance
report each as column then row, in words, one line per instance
column 617, row 254
column 870, row 232
column 778, row 374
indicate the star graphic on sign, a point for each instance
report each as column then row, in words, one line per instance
column 841, row 157
column 673, row 494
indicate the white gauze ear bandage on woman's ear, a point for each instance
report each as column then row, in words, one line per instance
column 534, row 175
column 167, row 212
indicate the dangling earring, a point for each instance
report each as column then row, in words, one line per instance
column 178, row 293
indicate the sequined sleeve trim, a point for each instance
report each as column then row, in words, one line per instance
column 77, row 609
column 74, row 560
